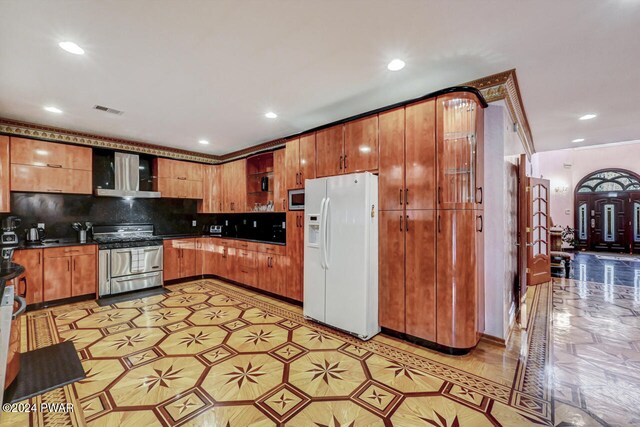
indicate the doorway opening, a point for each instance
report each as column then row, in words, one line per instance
column 607, row 207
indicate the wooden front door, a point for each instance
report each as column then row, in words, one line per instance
column 538, row 260
column 608, row 224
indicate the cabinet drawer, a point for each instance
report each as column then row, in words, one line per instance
column 246, row 259
column 43, row 179
column 272, row 249
column 41, row 153
column 69, row 251
column 241, row 244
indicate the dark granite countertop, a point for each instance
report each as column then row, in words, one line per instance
column 186, row 236
column 10, row 271
column 54, row 243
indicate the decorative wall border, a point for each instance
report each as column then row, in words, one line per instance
column 501, row 86
column 504, row 86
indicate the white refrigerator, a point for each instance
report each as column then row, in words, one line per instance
column 341, row 253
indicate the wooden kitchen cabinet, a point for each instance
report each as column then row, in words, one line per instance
column 211, row 190
column 392, row 164
column 69, row 271
column 420, row 155
column 178, row 179
column 47, row 167
column 272, row 273
column 330, row 151
column 5, row 175
column 234, row 186
column 391, row 270
column 279, row 181
column 295, row 255
column 247, row 267
column 30, row 284
column 300, row 160
column 361, row 145
column 179, row 258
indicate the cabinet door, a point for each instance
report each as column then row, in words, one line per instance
column 240, row 183
column 84, row 275
column 278, row 274
column 391, row 179
column 201, row 249
column 188, row 255
column 194, row 190
column 57, row 278
column 31, row 260
column 295, row 245
column 457, row 278
column 330, row 151
column 457, row 146
column 5, row 189
column 279, row 185
column 44, row 179
column 41, row 153
column 420, row 156
column 171, row 256
column 420, row 276
column 210, row 190
column 227, row 186
column 361, row 145
column 391, row 289
column 307, row 158
column 265, row 281
column 292, row 163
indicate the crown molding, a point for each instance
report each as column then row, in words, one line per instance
column 504, row 86
column 48, row 133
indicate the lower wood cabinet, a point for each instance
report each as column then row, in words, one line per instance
column 295, row 255
column 69, row 271
column 30, row 284
column 179, row 258
column 272, row 275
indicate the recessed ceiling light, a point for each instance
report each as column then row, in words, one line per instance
column 52, row 109
column 71, row 47
column 588, row 117
column 396, row 64
column 271, row 115
column 203, row 142
column 578, row 140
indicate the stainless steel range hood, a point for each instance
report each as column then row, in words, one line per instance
column 127, row 180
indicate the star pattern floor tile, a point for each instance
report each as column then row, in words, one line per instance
column 210, row 353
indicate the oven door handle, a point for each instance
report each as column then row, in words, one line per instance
column 22, row 306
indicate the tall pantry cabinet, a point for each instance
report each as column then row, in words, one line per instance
column 430, row 224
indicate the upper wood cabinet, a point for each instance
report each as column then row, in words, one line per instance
column 391, row 187
column 178, row 179
column 234, row 186
column 330, row 151
column 420, row 155
column 279, row 181
column 47, row 167
column 5, row 180
column 212, row 190
column 361, row 145
column 460, row 120
column 300, row 161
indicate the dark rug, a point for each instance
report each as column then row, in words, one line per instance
column 43, row 370
column 129, row 296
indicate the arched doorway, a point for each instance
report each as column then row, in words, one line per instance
column 607, row 207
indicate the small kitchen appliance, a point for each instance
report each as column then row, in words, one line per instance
column 215, row 230
column 34, row 235
column 9, row 225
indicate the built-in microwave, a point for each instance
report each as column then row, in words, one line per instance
column 296, row 200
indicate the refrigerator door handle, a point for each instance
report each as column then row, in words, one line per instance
column 322, row 205
column 325, row 227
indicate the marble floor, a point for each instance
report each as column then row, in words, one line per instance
column 607, row 268
column 213, row 354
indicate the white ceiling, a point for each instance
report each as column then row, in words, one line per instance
column 186, row 70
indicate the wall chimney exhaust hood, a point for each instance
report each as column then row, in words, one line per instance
column 127, row 179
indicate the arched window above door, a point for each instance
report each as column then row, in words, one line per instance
column 609, row 180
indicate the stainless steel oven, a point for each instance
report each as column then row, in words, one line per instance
column 129, row 269
column 296, row 199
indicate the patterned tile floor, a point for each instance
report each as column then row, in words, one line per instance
column 209, row 353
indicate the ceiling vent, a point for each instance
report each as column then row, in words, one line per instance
column 108, row 110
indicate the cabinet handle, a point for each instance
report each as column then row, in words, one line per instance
column 406, row 222
column 439, row 195
column 74, row 264
column 479, row 199
column 54, row 190
column 182, row 178
column 479, row 217
column 400, row 222
column 439, row 224
column 39, row 258
column 340, row 162
column 401, row 197
column 283, row 205
column 49, row 165
column 345, row 162
column 68, row 265
column 301, row 177
column 26, row 285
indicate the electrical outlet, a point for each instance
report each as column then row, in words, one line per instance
column 41, row 225
column 567, row 211
column 194, row 223
column 255, row 224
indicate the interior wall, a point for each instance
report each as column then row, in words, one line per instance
column 565, row 169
